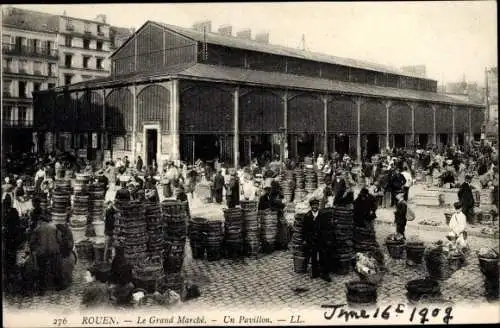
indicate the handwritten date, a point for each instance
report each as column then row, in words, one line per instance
column 422, row 315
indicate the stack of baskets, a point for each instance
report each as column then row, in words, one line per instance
column 80, row 200
column 149, row 275
column 44, row 202
column 233, row 231
column 131, row 230
column 342, row 217
column 214, row 239
column 299, row 184
column 251, row 229
column 287, row 185
column 155, row 227
column 364, row 238
column 176, row 235
column 96, row 207
column 197, row 237
column 269, row 229
column 61, row 201
column 299, row 245
column 320, row 176
column 310, row 175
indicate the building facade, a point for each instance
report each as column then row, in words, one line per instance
column 85, row 46
column 42, row 51
column 29, row 64
column 189, row 93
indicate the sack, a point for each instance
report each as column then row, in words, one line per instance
column 410, row 215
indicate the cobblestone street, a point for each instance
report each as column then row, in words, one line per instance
column 270, row 279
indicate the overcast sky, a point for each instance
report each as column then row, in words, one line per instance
column 451, row 38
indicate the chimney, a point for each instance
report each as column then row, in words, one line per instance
column 244, row 34
column 101, row 18
column 226, row 30
column 200, row 26
column 262, row 37
column 132, row 30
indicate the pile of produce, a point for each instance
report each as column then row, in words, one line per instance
column 368, row 267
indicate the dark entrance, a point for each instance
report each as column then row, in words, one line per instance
column 206, row 147
column 460, row 139
column 305, row 145
column 256, row 146
column 151, row 146
column 399, row 140
column 342, row 144
column 443, row 139
column 423, row 140
column 372, row 145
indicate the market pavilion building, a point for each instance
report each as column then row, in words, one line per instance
column 189, row 93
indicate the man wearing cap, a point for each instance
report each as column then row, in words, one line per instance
column 123, row 193
column 400, row 214
column 466, row 197
column 317, row 242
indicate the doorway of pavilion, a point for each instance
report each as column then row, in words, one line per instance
column 151, row 147
column 443, row 139
column 460, row 139
column 257, row 146
column 342, row 144
column 399, row 141
column 423, row 140
column 372, row 146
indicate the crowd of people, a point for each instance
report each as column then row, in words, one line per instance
column 385, row 180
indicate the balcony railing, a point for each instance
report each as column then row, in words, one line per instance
column 70, row 28
column 18, row 123
column 88, row 32
column 100, row 33
column 6, row 94
column 13, row 49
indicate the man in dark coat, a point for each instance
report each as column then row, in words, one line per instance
column 365, row 207
column 139, row 163
column 317, row 241
column 400, row 214
column 123, row 193
column 233, row 191
column 218, row 186
column 397, row 182
column 466, row 197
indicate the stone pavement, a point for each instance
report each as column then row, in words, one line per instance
column 270, row 279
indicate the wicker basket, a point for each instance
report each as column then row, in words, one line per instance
column 361, row 292
column 419, row 288
column 415, row 252
column 299, row 264
column 489, row 267
column 396, row 249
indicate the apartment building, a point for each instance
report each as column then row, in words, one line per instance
column 84, row 49
column 30, row 63
column 42, row 51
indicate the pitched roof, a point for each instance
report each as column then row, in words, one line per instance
column 30, row 20
column 226, row 74
column 235, row 42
